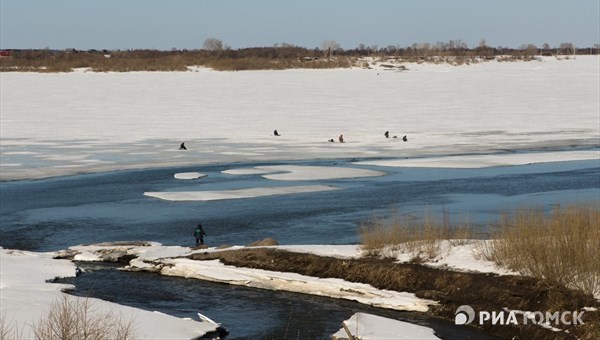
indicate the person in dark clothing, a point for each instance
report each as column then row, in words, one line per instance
column 405, row 139
column 199, row 234
column 341, row 138
column 182, row 147
column 276, row 133
column 387, row 134
column 331, row 140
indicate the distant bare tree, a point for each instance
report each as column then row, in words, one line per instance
column 530, row 49
column 461, row 44
column 567, row 48
column 330, row 46
column 212, row 44
column 282, row 45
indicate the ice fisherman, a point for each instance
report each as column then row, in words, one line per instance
column 276, row 133
column 341, row 138
column 182, row 147
column 199, row 234
column 387, row 134
column 405, row 139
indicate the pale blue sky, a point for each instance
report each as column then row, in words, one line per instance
column 124, row 24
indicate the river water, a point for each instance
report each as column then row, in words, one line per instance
column 247, row 313
column 55, row 213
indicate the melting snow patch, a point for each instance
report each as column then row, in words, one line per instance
column 189, row 175
column 367, row 326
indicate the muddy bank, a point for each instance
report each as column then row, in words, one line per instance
column 484, row 292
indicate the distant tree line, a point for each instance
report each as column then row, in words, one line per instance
column 215, row 54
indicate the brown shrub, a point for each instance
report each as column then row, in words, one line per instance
column 561, row 248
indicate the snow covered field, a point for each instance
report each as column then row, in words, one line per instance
column 55, row 124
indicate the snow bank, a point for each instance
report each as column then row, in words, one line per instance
column 25, row 297
column 367, row 326
column 483, row 161
column 236, row 194
column 460, row 255
column 257, row 278
column 335, row 250
column 166, row 260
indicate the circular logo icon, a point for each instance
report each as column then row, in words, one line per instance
column 464, row 315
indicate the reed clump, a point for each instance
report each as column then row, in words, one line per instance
column 562, row 247
column 389, row 237
column 78, row 319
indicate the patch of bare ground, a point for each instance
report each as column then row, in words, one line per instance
column 484, row 292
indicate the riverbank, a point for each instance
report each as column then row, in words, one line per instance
column 28, row 297
column 437, row 289
column 450, row 289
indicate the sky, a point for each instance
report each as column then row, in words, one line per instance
column 167, row 24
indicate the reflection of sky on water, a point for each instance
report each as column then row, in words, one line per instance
column 59, row 212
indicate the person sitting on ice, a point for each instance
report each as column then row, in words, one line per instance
column 341, row 138
column 276, row 133
column 182, row 147
column 331, row 140
column 387, row 134
column 405, row 139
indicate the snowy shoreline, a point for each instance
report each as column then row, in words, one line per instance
column 26, row 297
column 176, row 261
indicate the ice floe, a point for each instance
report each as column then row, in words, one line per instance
column 483, row 161
column 189, row 175
column 237, row 193
column 305, row 173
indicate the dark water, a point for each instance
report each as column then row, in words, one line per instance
column 247, row 313
column 54, row 214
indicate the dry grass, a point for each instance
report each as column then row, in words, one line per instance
column 9, row 330
column 77, row 319
column 388, row 237
column 562, row 248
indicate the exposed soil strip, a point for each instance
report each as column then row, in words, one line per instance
column 484, row 292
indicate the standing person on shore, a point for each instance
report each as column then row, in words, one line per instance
column 199, row 234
